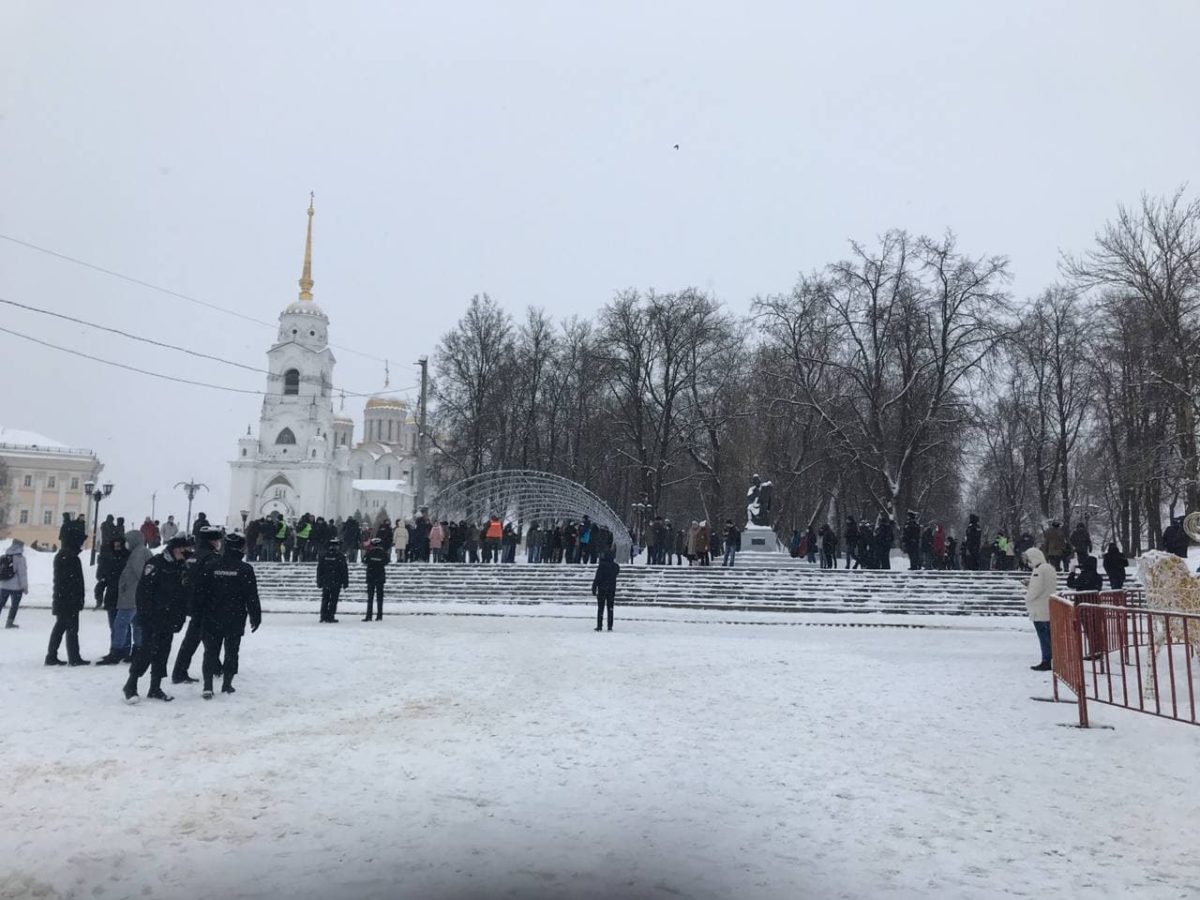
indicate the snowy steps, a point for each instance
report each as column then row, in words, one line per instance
column 790, row 588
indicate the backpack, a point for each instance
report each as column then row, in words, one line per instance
column 7, row 569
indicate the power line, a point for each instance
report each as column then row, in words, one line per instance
column 109, row 362
column 162, row 290
column 132, row 337
column 218, row 387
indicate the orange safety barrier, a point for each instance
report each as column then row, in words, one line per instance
column 1106, row 650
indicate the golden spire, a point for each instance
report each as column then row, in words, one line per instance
column 306, row 282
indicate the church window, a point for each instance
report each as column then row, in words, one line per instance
column 360, row 471
column 294, row 332
column 389, row 473
column 243, row 451
column 312, row 334
column 291, row 382
column 286, row 437
column 314, row 456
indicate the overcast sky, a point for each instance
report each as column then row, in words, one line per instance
column 525, row 150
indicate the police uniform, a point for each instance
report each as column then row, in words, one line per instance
column 192, row 638
column 226, row 593
column 333, row 574
column 161, row 609
column 376, row 560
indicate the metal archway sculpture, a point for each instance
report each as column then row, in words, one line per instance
column 526, row 496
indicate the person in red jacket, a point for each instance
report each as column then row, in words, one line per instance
column 494, row 535
column 939, row 547
column 150, row 533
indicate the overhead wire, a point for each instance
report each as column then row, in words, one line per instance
column 163, row 344
column 162, row 290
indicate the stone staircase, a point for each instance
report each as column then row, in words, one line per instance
column 792, row 588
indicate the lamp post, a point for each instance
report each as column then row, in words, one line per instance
column 96, row 494
column 191, row 488
column 245, row 515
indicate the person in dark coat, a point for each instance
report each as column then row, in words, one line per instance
column 208, row 546
column 829, row 543
column 226, row 593
column 971, row 543
column 376, row 560
column 604, row 587
column 850, row 537
column 733, row 543
column 1081, row 541
column 68, row 601
column 866, row 546
column 1115, row 565
column 109, row 566
column 162, row 601
column 1175, row 539
column 811, row 544
column 200, row 524
column 885, row 538
column 332, row 575
column 911, row 537
column 385, row 536
column 351, row 538
column 1086, row 578
column 951, row 552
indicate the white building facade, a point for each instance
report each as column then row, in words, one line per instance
column 304, row 458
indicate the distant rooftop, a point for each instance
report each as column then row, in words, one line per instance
column 21, row 440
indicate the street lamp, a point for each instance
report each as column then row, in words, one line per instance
column 245, row 515
column 96, row 494
column 642, row 511
column 191, row 488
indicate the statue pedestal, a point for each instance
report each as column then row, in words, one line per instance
column 759, row 539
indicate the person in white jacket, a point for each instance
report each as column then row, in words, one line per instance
column 1043, row 582
column 13, row 589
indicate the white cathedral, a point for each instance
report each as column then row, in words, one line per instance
column 304, row 458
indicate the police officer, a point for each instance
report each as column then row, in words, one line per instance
column 332, row 575
column 161, row 610
column 376, row 559
column 207, row 551
column 226, row 593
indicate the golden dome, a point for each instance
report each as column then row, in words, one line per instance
column 386, row 403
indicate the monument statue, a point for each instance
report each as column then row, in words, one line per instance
column 758, row 502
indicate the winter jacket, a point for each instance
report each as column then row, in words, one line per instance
column 131, row 574
column 733, row 538
column 1087, row 578
column 168, row 530
column 68, row 581
column 1043, row 582
column 495, row 531
column 607, row 571
column 1115, row 564
column 1175, row 540
column 162, row 596
column 1054, row 541
column 332, row 570
column 400, row 537
column 20, row 579
column 939, row 541
column 226, row 593
column 436, row 536
column 376, row 560
column 1080, row 539
column 974, row 535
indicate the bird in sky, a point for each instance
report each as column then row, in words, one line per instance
column 676, row 146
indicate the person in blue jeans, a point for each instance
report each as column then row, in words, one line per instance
column 1042, row 584
column 733, row 543
column 13, row 588
column 125, row 633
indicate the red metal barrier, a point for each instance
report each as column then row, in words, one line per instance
column 1106, row 651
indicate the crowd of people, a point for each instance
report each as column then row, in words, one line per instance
column 202, row 580
column 199, row 585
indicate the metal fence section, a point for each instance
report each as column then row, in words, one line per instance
column 526, row 495
column 1107, row 650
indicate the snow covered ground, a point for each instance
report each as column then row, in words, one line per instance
column 459, row 756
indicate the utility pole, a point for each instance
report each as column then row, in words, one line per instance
column 419, row 500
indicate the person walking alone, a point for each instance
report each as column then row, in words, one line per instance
column 67, row 603
column 14, row 580
column 604, row 587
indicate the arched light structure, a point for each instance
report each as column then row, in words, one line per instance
column 525, row 495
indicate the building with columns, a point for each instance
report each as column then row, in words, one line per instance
column 39, row 481
column 304, row 457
